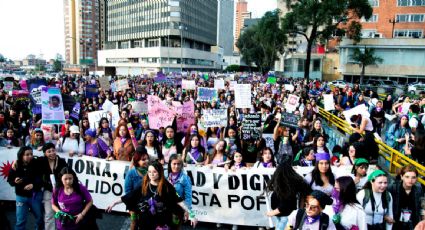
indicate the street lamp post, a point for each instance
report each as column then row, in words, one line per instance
column 393, row 21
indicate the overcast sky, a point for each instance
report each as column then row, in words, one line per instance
column 36, row 26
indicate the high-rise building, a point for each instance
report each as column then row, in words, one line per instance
column 167, row 35
column 395, row 18
column 102, row 22
column 226, row 10
column 241, row 14
column 81, row 31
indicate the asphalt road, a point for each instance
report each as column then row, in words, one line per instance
column 111, row 221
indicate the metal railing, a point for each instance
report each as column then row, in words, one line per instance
column 393, row 158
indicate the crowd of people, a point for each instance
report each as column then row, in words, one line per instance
column 158, row 192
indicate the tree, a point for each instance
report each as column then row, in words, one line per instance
column 57, row 65
column 233, row 68
column 320, row 19
column 262, row 42
column 2, row 58
column 364, row 58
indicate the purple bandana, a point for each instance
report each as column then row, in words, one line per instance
column 195, row 153
column 267, row 165
column 311, row 219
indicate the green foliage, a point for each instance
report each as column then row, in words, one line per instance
column 233, row 68
column 39, row 68
column 365, row 58
column 2, row 58
column 262, row 42
column 57, row 65
column 318, row 20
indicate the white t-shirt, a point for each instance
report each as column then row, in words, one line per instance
column 71, row 145
column 351, row 215
column 376, row 217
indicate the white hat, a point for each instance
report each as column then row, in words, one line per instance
column 74, row 129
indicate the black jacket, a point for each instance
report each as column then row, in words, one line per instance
column 395, row 189
column 45, row 171
column 28, row 175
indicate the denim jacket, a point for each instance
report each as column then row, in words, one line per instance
column 393, row 134
column 132, row 180
column 183, row 188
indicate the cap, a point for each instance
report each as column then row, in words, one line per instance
column 74, row 129
column 322, row 157
column 360, row 161
column 90, row 132
column 322, row 198
column 376, row 174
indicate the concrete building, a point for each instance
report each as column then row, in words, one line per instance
column 395, row 18
column 81, row 31
column 102, row 24
column 32, row 60
column 294, row 65
column 403, row 59
column 226, row 10
column 167, row 35
column 241, row 14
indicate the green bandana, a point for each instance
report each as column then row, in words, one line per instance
column 142, row 170
column 360, row 161
column 169, row 143
column 376, row 174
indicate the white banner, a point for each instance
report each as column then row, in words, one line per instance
column 243, row 96
column 219, row 84
column 214, row 118
column 217, row 196
column 328, row 101
column 188, row 84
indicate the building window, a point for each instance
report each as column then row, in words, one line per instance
column 410, row 18
column 316, row 65
column 408, row 33
column 410, row 2
column 301, row 64
column 374, row 18
column 374, row 3
column 369, row 34
column 288, row 65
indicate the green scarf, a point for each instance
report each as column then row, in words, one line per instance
column 142, row 170
column 169, row 143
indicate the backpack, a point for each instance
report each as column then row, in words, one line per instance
column 367, row 197
column 299, row 221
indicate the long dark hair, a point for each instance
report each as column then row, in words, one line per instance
column 271, row 152
column 75, row 183
column 368, row 186
column 20, row 155
column 347, row 193
column 287, row 183
column 315, row 175
column 419, row 139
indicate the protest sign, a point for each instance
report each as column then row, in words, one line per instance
column 36, row 109
column 289, row 87
column 47, row 132
column 207, row 94
column 292, row 103
column 188, row 84
column 185, row 116
column 104, row 83
column 289, row 120
column 52, row 106
column 76, row 111
column 122, row 85
column 328, row 101
column 251, row 125
column 272, row 80
column 243, row 96
column 360, row 109
column 8, row 86
column 113, row 87
column 214, row 118
column 36, row 95
column 268, row 137
column 230, row 77
column 160, row 78
column 94, row 118
column 159, row 114
column 219, row 84
column 92, row 91
column 139, row 107
column 232, row 85
column 107, row 105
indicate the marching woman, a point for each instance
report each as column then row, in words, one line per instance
column 287, row 187
column 267, row 159
column 95, row 147
column 377, row 202
column 194, row 153
column 155, row 201
column 152, row 146
column 181, row 181
column 237, row 162
column 407, row 196
column 27, row 188
column 346, row 211
column 359, row 172
column 219, row 156
column 71, row 202
column 170, row 145
column 322, row 177
column 123, row 146
column 36, row 140
column 312, row 217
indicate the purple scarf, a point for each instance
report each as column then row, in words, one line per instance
column 267, row 165
column 195, row 153
column 174, row 177
column 311, row 219
column 337, row 205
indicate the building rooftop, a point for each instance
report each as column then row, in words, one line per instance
column 386, row 42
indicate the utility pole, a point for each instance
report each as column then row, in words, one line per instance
column 393, row 21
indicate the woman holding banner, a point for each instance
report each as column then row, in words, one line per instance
column 219, row 156
column 267, row 159
column 123, row 145
column 194, row 153
column 156, row 201
column 322, row 177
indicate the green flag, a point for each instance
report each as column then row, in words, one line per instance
column 271, row 80
column 206, row 76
